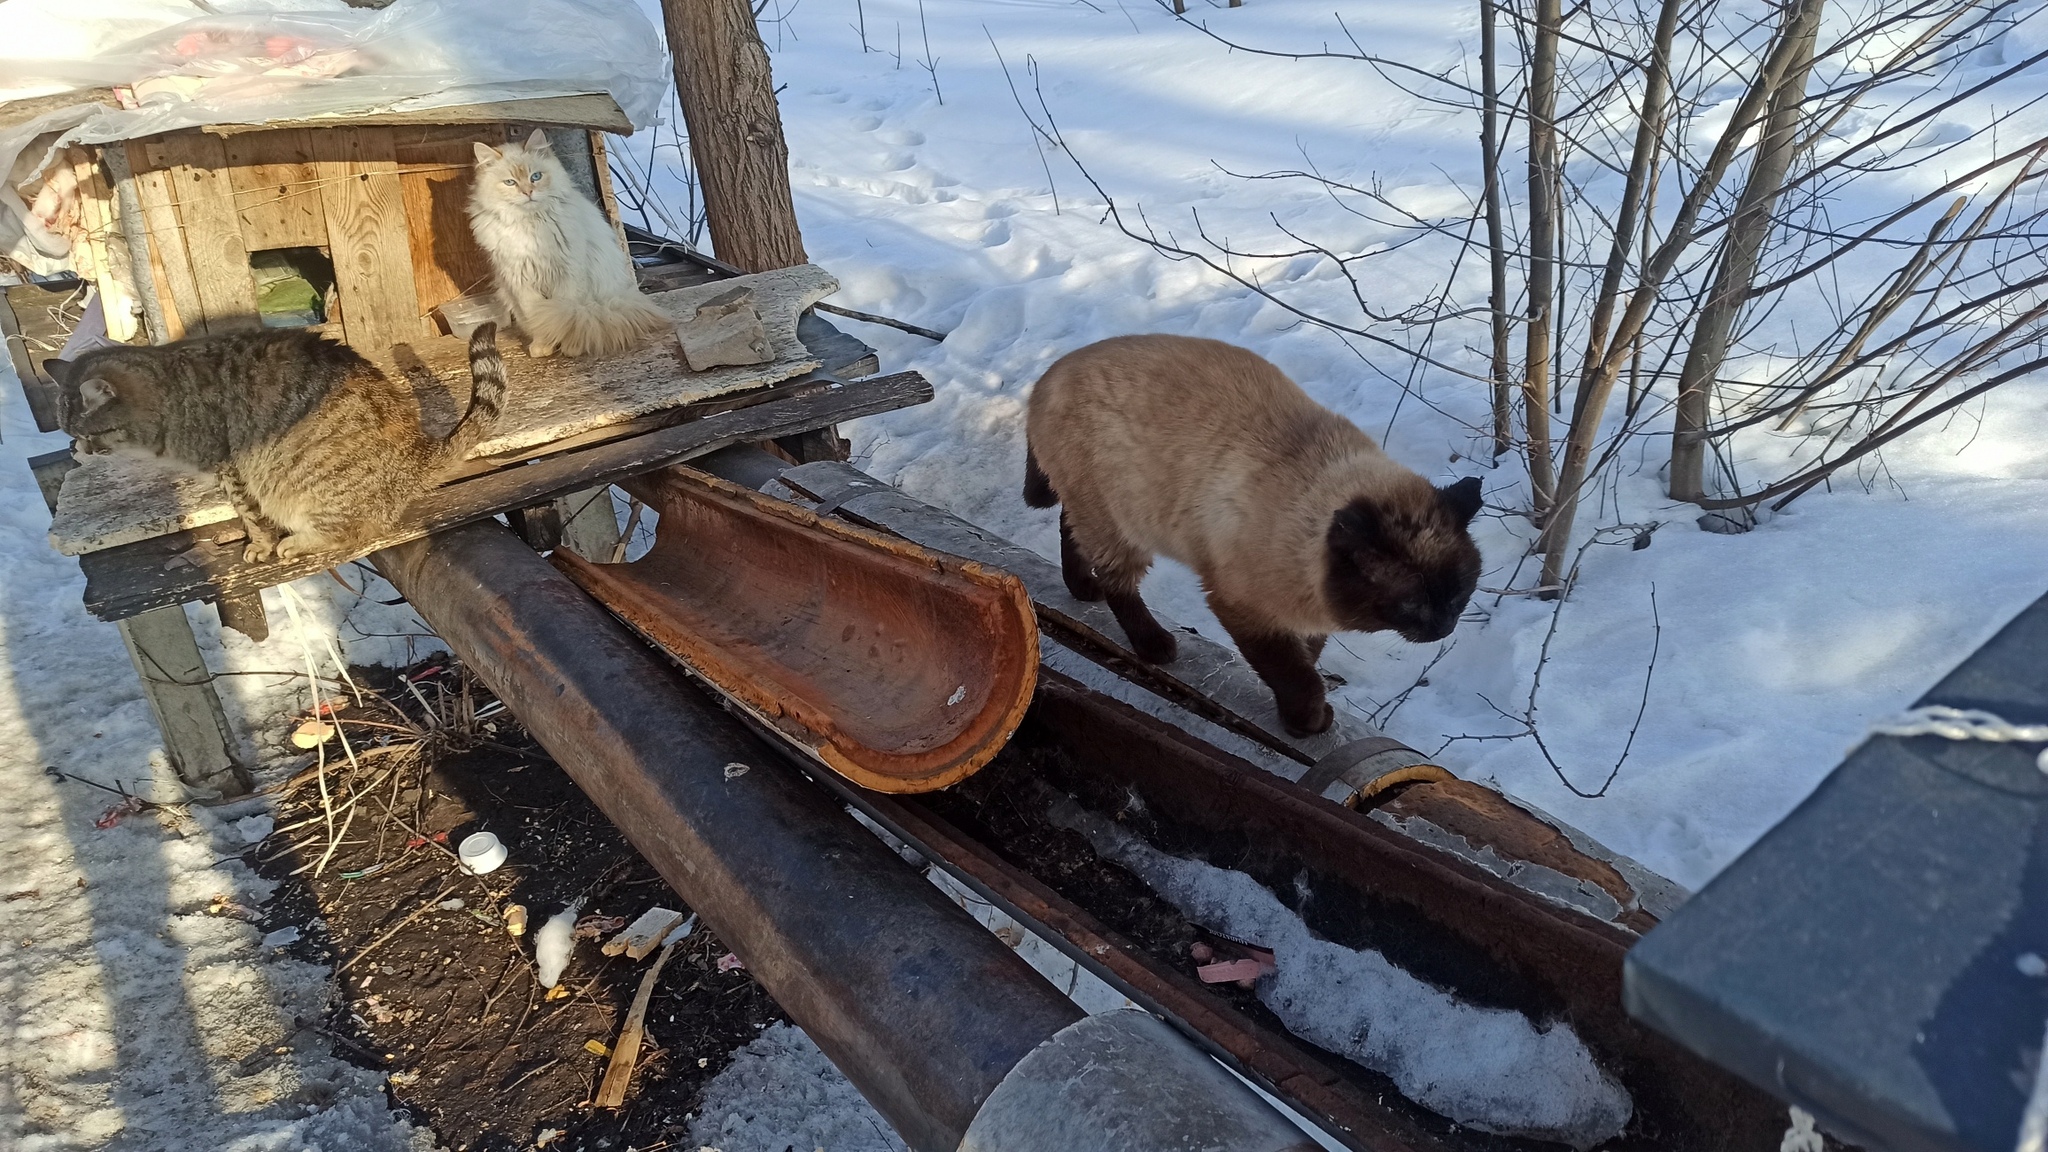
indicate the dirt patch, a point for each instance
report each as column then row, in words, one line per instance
column 441, row 995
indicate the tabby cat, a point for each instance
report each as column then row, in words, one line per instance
column 316, row 448
column 556, row 260
column 1296, row 521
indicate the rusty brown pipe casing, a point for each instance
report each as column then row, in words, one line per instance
column 924, row 1010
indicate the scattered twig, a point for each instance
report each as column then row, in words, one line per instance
column 395, row 929
column 871, row 318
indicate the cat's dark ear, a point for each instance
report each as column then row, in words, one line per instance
column 95, row 394
column 537, row 141
column 59, row 370
column 485, row 153
column 1356, row 525
column 1462, row 499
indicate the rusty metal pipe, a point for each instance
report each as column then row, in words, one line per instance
column 952, row 1036
column 922, row 1009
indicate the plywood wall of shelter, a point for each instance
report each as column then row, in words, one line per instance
column 384, row 202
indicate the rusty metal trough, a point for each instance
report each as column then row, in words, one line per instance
column 899, row 668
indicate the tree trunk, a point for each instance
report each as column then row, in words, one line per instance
column 1536, row 381
column 1747, row 231
column 728, row 100
column 1496, row 246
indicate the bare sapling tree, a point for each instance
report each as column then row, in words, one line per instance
column 1706, row 180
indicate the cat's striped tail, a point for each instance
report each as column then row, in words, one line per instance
column 486, row 394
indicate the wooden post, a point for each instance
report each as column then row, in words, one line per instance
column 728, row 100
column 175, row 680
column 180, row 692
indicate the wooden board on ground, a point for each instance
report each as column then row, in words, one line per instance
column 186, row 566
column 112, row 501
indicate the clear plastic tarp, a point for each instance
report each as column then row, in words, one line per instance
column 181, row 63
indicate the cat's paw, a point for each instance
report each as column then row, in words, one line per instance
column 294, row 547
column 259, row 551
column 540, row 351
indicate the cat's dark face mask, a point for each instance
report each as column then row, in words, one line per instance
column 88, row 407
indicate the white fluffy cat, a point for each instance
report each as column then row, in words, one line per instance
column 557, row 261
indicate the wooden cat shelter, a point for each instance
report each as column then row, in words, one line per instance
column 182, row 230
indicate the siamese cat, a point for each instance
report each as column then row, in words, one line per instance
column 1296, row 521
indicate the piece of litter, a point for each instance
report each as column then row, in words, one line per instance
column 642, row 935
column 118, row 813
column 591, row 927
column 312, row 734
column 958, row 695
column 703, row 1061
column 546, row 1137
column 289, row 934
column 682, row 931
column 515, row 919
column 254, row 829
column 596, row 1048
column 735, row 770
column 451, row 905
column 553, row 944
column 730, row 963
column 1801, row 1136
column 2031, row 964
column 1225, row 971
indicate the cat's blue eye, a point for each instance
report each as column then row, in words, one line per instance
column 536, row 177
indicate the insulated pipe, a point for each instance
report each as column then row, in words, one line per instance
column 952, row 1037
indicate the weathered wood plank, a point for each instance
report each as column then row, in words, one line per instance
column 114, row 268
column 179, row 688
column 366, row 236
column 170, row 264
column 601, row 167
column 185, row 566
column 28, row 357
column 199, row 185
column 276, row 185
column 434, row 166
column 594, row 110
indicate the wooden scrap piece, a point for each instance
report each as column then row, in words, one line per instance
column 640, row 937
column 618, row 1075
column 198, row 168
column 364, row 205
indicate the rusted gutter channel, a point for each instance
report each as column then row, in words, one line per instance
column 938, row 1024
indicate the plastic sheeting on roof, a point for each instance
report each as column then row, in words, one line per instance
column 182, row 63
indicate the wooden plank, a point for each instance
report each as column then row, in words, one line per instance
column 169, row 262
column 15, row 113
column 434, row 167
column 601, row 167
column 179, row 688
column 593, row 110
column 120, row 300
column 277, row 190
column 186, row 566
column 36, row 386
column 199, row 185
column 366, row 237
